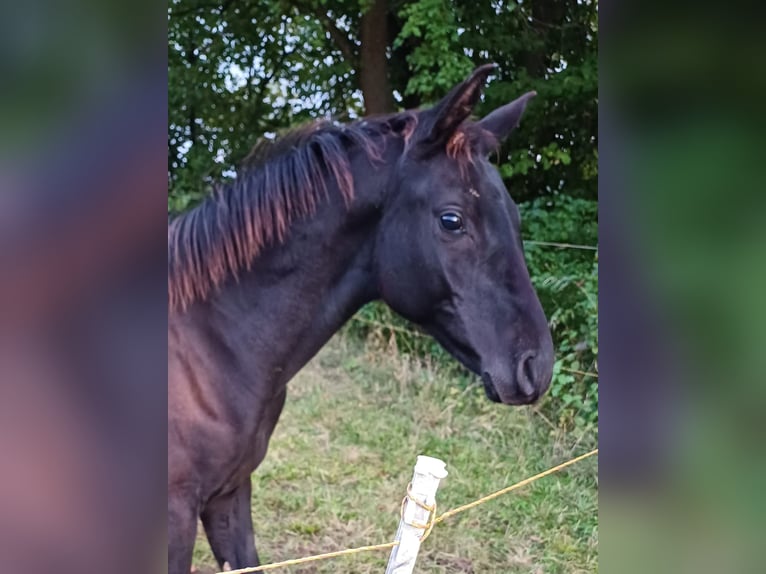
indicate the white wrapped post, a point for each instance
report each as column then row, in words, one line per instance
column 412, row 526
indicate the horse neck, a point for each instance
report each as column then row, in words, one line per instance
column 278, row 315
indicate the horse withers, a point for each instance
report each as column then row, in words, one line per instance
column 405, row 208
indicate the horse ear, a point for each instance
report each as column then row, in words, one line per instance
column 446, row 116
column 505, row 119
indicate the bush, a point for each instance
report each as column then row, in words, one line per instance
column 566, row 280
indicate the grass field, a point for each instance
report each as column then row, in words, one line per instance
column 343, row 452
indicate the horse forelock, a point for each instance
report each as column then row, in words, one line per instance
column 469, row 142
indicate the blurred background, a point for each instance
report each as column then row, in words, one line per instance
column 83, row 187
column 682, row 205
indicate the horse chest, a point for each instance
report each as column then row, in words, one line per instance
column 250, row 446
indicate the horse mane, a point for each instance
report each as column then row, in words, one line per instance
column 279, row 182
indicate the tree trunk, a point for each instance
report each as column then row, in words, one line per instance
column 373, row 63
column 546, row 14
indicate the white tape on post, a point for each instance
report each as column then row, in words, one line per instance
column 425, row 481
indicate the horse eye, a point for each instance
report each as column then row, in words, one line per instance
column 451, row 222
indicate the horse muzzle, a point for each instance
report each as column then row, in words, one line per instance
column 524, row 383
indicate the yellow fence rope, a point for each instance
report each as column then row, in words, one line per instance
column 524, row 482
column 561, row 245
column 312, row 558
column 437, row 520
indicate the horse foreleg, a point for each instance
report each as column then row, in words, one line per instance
column 229, row 528
column 182, row 530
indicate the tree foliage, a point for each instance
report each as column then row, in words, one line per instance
column 239, row 70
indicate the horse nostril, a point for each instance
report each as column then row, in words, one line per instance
column 525, row 374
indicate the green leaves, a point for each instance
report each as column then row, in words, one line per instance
column 566, row 280
column 436, row 57
column 239, row 70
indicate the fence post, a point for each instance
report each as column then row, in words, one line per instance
column 425, row 480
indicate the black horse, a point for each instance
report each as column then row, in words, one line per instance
column 405, row 208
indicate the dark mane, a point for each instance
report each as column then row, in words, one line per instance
column 280, row 181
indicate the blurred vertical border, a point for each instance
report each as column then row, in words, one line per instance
column 682, row 283
column 83, row 186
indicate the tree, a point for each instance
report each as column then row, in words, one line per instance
column 239, row 70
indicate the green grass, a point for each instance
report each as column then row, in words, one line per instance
column 342, row 455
